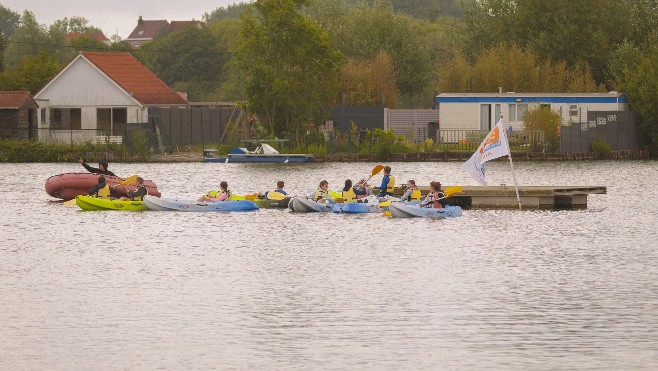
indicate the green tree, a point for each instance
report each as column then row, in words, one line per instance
column 290, row 67
column 368, row 30
column 32, row 74
column 79, row 25
column 86, row 44
column 191, row 59
column 28, row 40
column 228, row 36
column 546, row 120
column 233, row 11
column 8, row 22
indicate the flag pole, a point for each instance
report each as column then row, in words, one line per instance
column 511, row 166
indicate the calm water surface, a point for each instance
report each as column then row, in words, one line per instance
column 279, row 290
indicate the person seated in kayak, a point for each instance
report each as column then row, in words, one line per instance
column 213, row 196
column 388, row 183
column 322, row 193
column 412, row 193
column 348, row 192
column 101, row 190
column 138, row 194
column 434, row 198
column 277, row 194
column 360, row 189
column 102, row 168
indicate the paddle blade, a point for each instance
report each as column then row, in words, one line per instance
column 384, row 204
column 452, row 190
column 376, row 170
column 250, row 197
column 70, row 202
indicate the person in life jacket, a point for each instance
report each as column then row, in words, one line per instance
column 360, row 189
column 412, row 193
column 102, row 168
column 277, row 194
column 348, row 192
column 435, row 198
column 213, row 196
column 101, row 190
column 388, row 183
column 138, row 194
column 322, row 193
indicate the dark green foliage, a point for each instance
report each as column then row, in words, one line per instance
column 601, row 148
column 34, row 151
column 233, row 11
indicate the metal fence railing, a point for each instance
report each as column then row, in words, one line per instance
column 469, row 140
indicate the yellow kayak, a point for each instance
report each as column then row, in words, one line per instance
column 93, row 203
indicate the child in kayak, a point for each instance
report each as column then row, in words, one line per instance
column 213, row 196
column 138, row 194
column 412, row 193
column 277, row 194
column 435, row 197
column 388, row 183
column 101, row 190
column 322, row 193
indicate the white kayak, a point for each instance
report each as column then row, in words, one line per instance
column 304, row 205
column 164, row 204
column 403, row 210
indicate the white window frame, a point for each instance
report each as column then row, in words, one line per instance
column 573, row 110
column 516, row 111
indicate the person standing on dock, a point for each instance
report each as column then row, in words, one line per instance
column 102, row 168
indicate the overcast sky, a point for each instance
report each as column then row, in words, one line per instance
column 116, row 16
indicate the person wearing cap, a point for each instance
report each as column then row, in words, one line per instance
column 102, row 168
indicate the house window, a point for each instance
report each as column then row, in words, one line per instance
column 111, row 121
column 573, row 110
column 516, row 111
column 66, row 118
column 43, row 116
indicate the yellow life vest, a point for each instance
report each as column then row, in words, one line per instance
column 415, row 195
column 212, row 193
column 390, row 187
column 349, row 196
column 274, row 195
column 104, row 192
column 320, row 194
column 141, row 198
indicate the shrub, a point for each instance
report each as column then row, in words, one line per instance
column 542, row 118
column 601, row 148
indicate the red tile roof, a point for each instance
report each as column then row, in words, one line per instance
column 148, row 29
column 131, row 75
column 98, row 36
column 178, row 26
column 15, row 99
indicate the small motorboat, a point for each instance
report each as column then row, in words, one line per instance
column 263, row 153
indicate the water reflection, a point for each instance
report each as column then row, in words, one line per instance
column 273, row 289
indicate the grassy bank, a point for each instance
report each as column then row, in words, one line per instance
column 34, row 151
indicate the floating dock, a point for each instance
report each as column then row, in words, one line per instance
column 532, row 197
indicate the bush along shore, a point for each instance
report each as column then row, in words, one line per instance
column 33, row 151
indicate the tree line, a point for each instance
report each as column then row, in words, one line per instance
column 291, row 60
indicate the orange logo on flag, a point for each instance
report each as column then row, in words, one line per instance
column 493, row 138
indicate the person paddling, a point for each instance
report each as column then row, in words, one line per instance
column 101, row 190
column 102, row 168
column 388, row 183
column 434, row 197
column 138, row 194
column 213, row 196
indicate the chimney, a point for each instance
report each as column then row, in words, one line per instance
column 140, row 21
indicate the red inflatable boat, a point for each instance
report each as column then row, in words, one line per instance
column 67, row 186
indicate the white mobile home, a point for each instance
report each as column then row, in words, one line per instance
column 481, row 111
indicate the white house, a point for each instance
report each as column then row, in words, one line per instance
column 481, row 111
column 98, row 94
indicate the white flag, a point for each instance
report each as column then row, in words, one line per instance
column 493, row 146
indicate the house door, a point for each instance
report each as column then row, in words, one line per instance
column 485, row 117
column 497, row 114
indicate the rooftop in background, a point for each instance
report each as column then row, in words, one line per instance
column 98, row 36
column 133, row 77
column 14, row 99
column 148, row 30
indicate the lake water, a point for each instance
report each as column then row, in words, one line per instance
column 498, row 289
